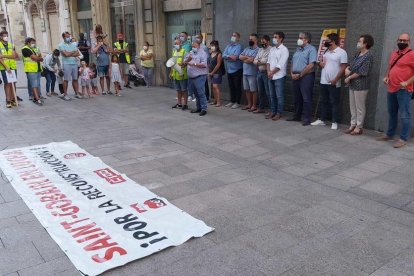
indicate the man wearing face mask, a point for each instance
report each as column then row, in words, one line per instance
column 122, row 50
column 32, row 59
column 51, row 65
column 234, row 69
column 197, row 70
column 69, row 53
column 333, row 64
column 262, row 80
column 199, row 40
column 9, row 55
column 250, row 73
column 400, row 88
column 276, row 72
column 303, row 76
column 185, row 44
column 179, row 78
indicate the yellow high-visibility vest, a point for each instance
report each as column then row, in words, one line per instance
column 11, row 63
column 179, row 55
column 31, row 66
column 118, row 47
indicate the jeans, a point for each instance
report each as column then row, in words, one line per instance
column 197, row 85
column 303, row 90
column 30, row 78
column 50, row 81
column 235, row 85
column 148, row 75
column 400, row 100
column 263, row 87
column 277, row 97
column 330, row 98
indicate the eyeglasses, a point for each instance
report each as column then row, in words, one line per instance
column 403, row 40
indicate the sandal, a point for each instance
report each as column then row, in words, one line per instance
column 259, row 111
column 213, row 103
column 217, row 105
column 356, row 132
column 177, row 106
column 349, row 130
column 252, row 110
column 246, row 108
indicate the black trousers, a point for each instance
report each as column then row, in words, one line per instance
column 207, row 90
column 303, row 90
column 235, row 84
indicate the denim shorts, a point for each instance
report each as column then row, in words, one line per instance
column 180, row 85
column 216, row 79
column 94, row 82
column 4, row 76
column 250, row 83
column 103, row 71
column 85, row 83
column 70, row 72
column 33, row 79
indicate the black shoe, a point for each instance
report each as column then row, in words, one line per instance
column 195, row 110
column 305, row 123
column 185, row 107
column 203, row 112
column 128, row 86
column 177, row 106
column 293, row 119
column 19, row 99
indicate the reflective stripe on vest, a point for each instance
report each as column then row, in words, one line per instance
column 179, row 55
column 30, row 66
column 118, row 47
column 11, row 63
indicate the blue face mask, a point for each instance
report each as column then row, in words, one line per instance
column 68, row 39
column 195, row 50
column 182, row 39
column 177, row 47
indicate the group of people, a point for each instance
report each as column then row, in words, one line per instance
column 261, row 68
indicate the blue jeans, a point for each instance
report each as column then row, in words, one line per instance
column 401, row 101
column 277, row 97
column 303, row 90
column 263, row 86
column 33, row 78
column 197, row 85
column 329, row 98
column 50, row 81
column 147, row 75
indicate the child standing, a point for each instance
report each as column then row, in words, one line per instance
column 85, row 79
column 93, row 74
column 116, row 74
column 59, row 79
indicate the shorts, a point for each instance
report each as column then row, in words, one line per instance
column 124, row 68
column 103, row 71
column 250, row 83
column 85, row 83
column 70, row 72
column 4, row 76
column 216, row 79
column 94, row 82
column 180, row 85
column 33, row 79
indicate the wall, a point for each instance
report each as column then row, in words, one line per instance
column 18, row 32
column 233, row 16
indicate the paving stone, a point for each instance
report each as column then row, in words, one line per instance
column 18, row 257
column 52, row 267
column 358, row 174
column 13, row 208
column 381, row 187
column 341, row 182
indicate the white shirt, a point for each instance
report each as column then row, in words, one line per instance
column 278, row 57
column 333, row 60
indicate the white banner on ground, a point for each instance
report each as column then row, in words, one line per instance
column 100, row 218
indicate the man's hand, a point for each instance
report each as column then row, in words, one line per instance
column 270, row 75
column 333, row 82
column 386, row 80
column 347, row 72
column 404, row 84
column 295, row 76
column 233, row 57
column 347, row 80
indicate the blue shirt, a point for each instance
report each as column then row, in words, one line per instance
column 200, row 58
column 102, row 57
column 303, row 57
column 250, row 69
column 230, row 50
column 68, row 47
column 186, row 46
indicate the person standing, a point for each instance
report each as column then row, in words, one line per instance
column 121, row 49
column 216, row 68
column 147, row 63
column 199, row 39
column 197, row 70
column 179, row 78
column 303, row 76
column 276, row 72
column 333, row 64
column 185, row 44
column 102, row 62
column 234, row 70
column 358, row 78
column 9, row 55
column 51, row 65
column 250, row 73
column 32, row 67
column 262, row 80
column 84, row 46
column 69, row 52
column 400, row 88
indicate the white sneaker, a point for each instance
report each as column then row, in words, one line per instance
column 49, row 94
column 229, row 104
column 189, row 98
column 78, row 96
column 234, row 106
column 334, row 126
column 318, row 123
column 194, row 99
column 62, row 96
column 66, row 98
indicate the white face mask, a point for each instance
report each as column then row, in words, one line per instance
column 145, row 48
column 300, row 42
column 5, row 38
column 33, row 45
column 359, row 46
column 275, row 42
column 213, row 48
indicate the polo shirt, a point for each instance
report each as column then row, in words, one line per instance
column 278, row 57
column 200, row 58
column 249, row 69
column 402, row 70
column 233, row 50
column 333, row 60
column 68, row 47
column 303, row 57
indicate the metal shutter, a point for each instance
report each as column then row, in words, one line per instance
column 292, row 17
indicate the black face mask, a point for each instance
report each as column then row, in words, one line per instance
column 402, row 45
column 327, row 44
column 251, row 43
column 121, row 41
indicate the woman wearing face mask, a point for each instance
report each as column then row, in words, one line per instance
column 147, row 63
column 358, row 78
column 51, row 65
column 216, row 71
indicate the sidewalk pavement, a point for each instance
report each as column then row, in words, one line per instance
column 284, row 199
